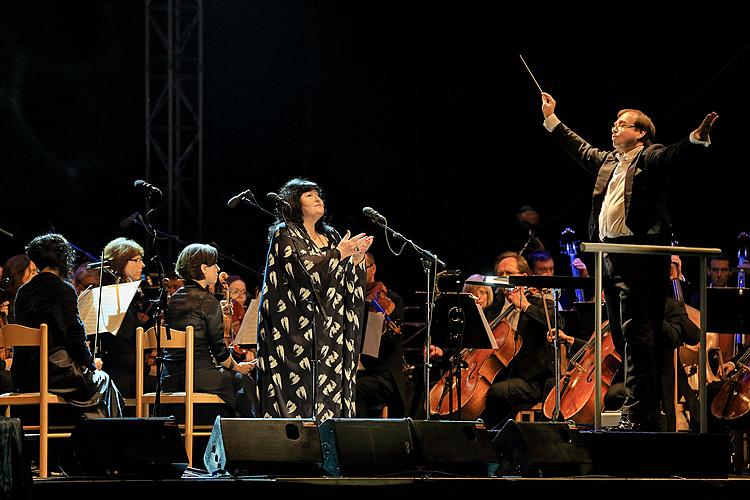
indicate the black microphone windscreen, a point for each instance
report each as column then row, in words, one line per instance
column 127, row 221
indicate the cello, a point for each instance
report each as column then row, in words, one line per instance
column 577, row 386
column 732, row 402
column 479, row 367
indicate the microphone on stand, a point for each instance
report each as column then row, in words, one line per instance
column 373, row 215
column 278, row 200
column 129, row 220
column 235, row 200
column 148, row 187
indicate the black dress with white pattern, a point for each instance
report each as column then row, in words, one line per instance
column 285, row 327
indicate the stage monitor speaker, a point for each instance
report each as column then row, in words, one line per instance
column 659, row 454
column 125, row 447
column 15, row 470
column 540, row 449
column 367, row 447
column 264, row 447
column 456, row 447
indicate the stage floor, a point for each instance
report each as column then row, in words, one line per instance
column 385, row 488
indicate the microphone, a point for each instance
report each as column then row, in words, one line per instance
column 130, row 219
column 150, row 188
column 235, row 200
column 97, row 265
column 374, row 215
column 278, row 200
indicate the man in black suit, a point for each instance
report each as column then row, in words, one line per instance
column 629, row 206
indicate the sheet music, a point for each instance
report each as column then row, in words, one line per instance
column 115, row 302
column 373, row 334
column 248, row 333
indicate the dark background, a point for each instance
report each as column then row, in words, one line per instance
column 421, row 111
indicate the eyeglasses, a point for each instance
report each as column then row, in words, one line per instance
column 137, row 259
column 237, row 292
column 617, row 127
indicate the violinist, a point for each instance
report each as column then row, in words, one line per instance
column 521, row 385
column 125, row 260
column 234, row 306
column 382, row 380
column 194, row 305
column 17, row 271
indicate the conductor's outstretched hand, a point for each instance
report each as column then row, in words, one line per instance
column 703, row 131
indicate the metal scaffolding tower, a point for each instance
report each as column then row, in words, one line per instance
column 174, row 109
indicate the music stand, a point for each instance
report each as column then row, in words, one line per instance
column 457, row 323
column 728, row 310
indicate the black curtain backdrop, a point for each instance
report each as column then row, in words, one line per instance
column 423, row 112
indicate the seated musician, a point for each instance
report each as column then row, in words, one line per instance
column 382, row 380
column 49, row 298
column 18, row 270
column 541, row 263
column 521, row 384
column 125, row 258
column 216, row 372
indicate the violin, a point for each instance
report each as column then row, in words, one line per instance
column 377, row 295
column 233, row 313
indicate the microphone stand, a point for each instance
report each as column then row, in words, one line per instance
column 249, row 198
column 430, row 264
column 166, row 236
column 161, row 301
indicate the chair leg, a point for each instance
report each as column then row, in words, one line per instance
column 189, row 434
column 43, row 440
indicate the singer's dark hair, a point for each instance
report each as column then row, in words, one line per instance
column 119, row 251
column 291, row 192
column 190, row 259
column 51, row 250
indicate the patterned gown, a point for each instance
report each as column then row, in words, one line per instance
column 285, row 327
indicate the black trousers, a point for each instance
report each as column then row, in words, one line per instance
column 635, row 292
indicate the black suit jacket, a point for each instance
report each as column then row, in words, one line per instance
column 646, row 183
column 48, row 299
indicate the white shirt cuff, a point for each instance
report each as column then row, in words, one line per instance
column 551, row 122
column 696, row 141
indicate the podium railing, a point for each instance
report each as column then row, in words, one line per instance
column 599, row 249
